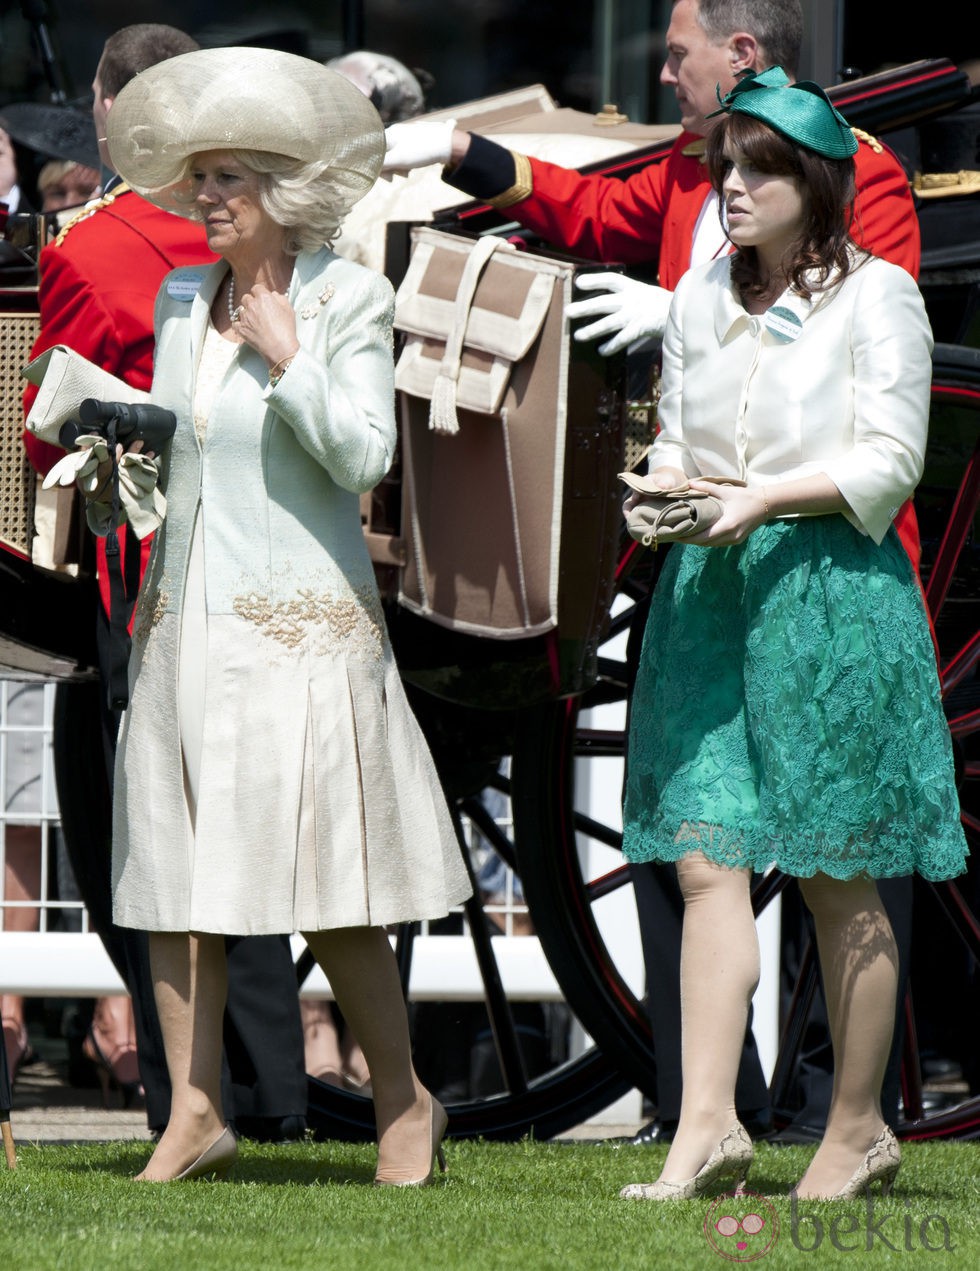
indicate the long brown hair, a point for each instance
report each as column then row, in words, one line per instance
column 823, row 250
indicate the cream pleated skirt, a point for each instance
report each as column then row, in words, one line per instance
column 372, row 842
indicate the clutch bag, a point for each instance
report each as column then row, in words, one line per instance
column 663, row 516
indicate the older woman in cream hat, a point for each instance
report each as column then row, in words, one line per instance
column 271, row 776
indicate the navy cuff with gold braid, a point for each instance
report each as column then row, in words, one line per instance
column 490, row 172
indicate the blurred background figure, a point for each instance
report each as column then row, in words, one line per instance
column 10, row 195
column 63, row 183
column 22, row 763
column 396, row 93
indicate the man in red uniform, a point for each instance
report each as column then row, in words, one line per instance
column 98, row 287
column 666, row 215
column 667, row 212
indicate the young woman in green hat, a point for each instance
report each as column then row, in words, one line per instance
column 787, row 708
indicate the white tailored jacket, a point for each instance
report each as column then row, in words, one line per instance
column 838, row 385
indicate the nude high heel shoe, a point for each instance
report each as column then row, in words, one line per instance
column 214, row 1162
column 731, row 1159
column 882, row 1162
column 438, row 1121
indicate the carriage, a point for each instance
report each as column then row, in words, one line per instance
column 515, row 604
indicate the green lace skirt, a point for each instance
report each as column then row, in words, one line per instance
column 787, row 711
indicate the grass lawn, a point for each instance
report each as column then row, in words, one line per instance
column 527, row 1206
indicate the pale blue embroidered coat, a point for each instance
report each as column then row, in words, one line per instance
column 319, row 805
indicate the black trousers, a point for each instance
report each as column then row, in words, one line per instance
column 263, row 1076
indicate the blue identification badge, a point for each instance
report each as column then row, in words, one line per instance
column 185, row 285
column 783, row 323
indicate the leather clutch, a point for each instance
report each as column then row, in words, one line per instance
column 663, row 516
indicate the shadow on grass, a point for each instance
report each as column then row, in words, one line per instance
column 287, row 1165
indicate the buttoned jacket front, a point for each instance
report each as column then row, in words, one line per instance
column 838, row 385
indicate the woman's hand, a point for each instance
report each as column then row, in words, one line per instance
column 745, row 509
column 663, row 478
column 266, row 321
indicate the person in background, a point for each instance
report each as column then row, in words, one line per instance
column 63, row 184
column 665, row 217
column 98, row 285
column 395, row 92
column 10, row 193
column 22, row 782
column 787, row 707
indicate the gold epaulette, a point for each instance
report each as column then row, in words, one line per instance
column 90, row 209
column 522, row 187
column 867, row 138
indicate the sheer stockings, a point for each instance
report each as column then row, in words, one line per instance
column 190, row 985
column 719, row 973
column 859, row 960
column 361, row 969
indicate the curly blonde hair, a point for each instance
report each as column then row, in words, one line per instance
column 309, row 200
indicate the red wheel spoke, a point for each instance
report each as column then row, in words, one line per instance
column 608, row 883
column 965, row 725
column 962, row 665
column 970, row 822
column 960, row 522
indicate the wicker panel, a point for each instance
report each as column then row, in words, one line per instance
column 18, row 331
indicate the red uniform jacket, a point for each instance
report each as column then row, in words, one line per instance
column 652, row 215
column 98, row 286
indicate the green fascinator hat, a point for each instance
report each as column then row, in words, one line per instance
column 801, row 111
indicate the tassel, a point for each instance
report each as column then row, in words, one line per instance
column 442, row 410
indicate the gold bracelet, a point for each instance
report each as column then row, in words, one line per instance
column 275, row 375
column 765, row 500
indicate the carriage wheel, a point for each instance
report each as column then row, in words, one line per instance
column 521, row 1091
column 559, row 838
column 498, row 1074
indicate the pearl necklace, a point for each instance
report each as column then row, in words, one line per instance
column 233, row 313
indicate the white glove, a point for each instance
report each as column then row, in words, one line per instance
column 635, row 311
column 143, row 503
column 415, row 144
column 81, row 465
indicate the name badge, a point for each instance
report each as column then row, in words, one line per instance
column 783, row 323
column 185, row 286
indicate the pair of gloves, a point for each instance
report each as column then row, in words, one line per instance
column 632, row 314
column 142, row 503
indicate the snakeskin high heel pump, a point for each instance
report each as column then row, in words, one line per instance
column 731, row 1160
column 882, row 1162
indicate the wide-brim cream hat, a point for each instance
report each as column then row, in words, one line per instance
column 242, row 99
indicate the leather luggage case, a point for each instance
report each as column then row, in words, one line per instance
column 511, row 437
